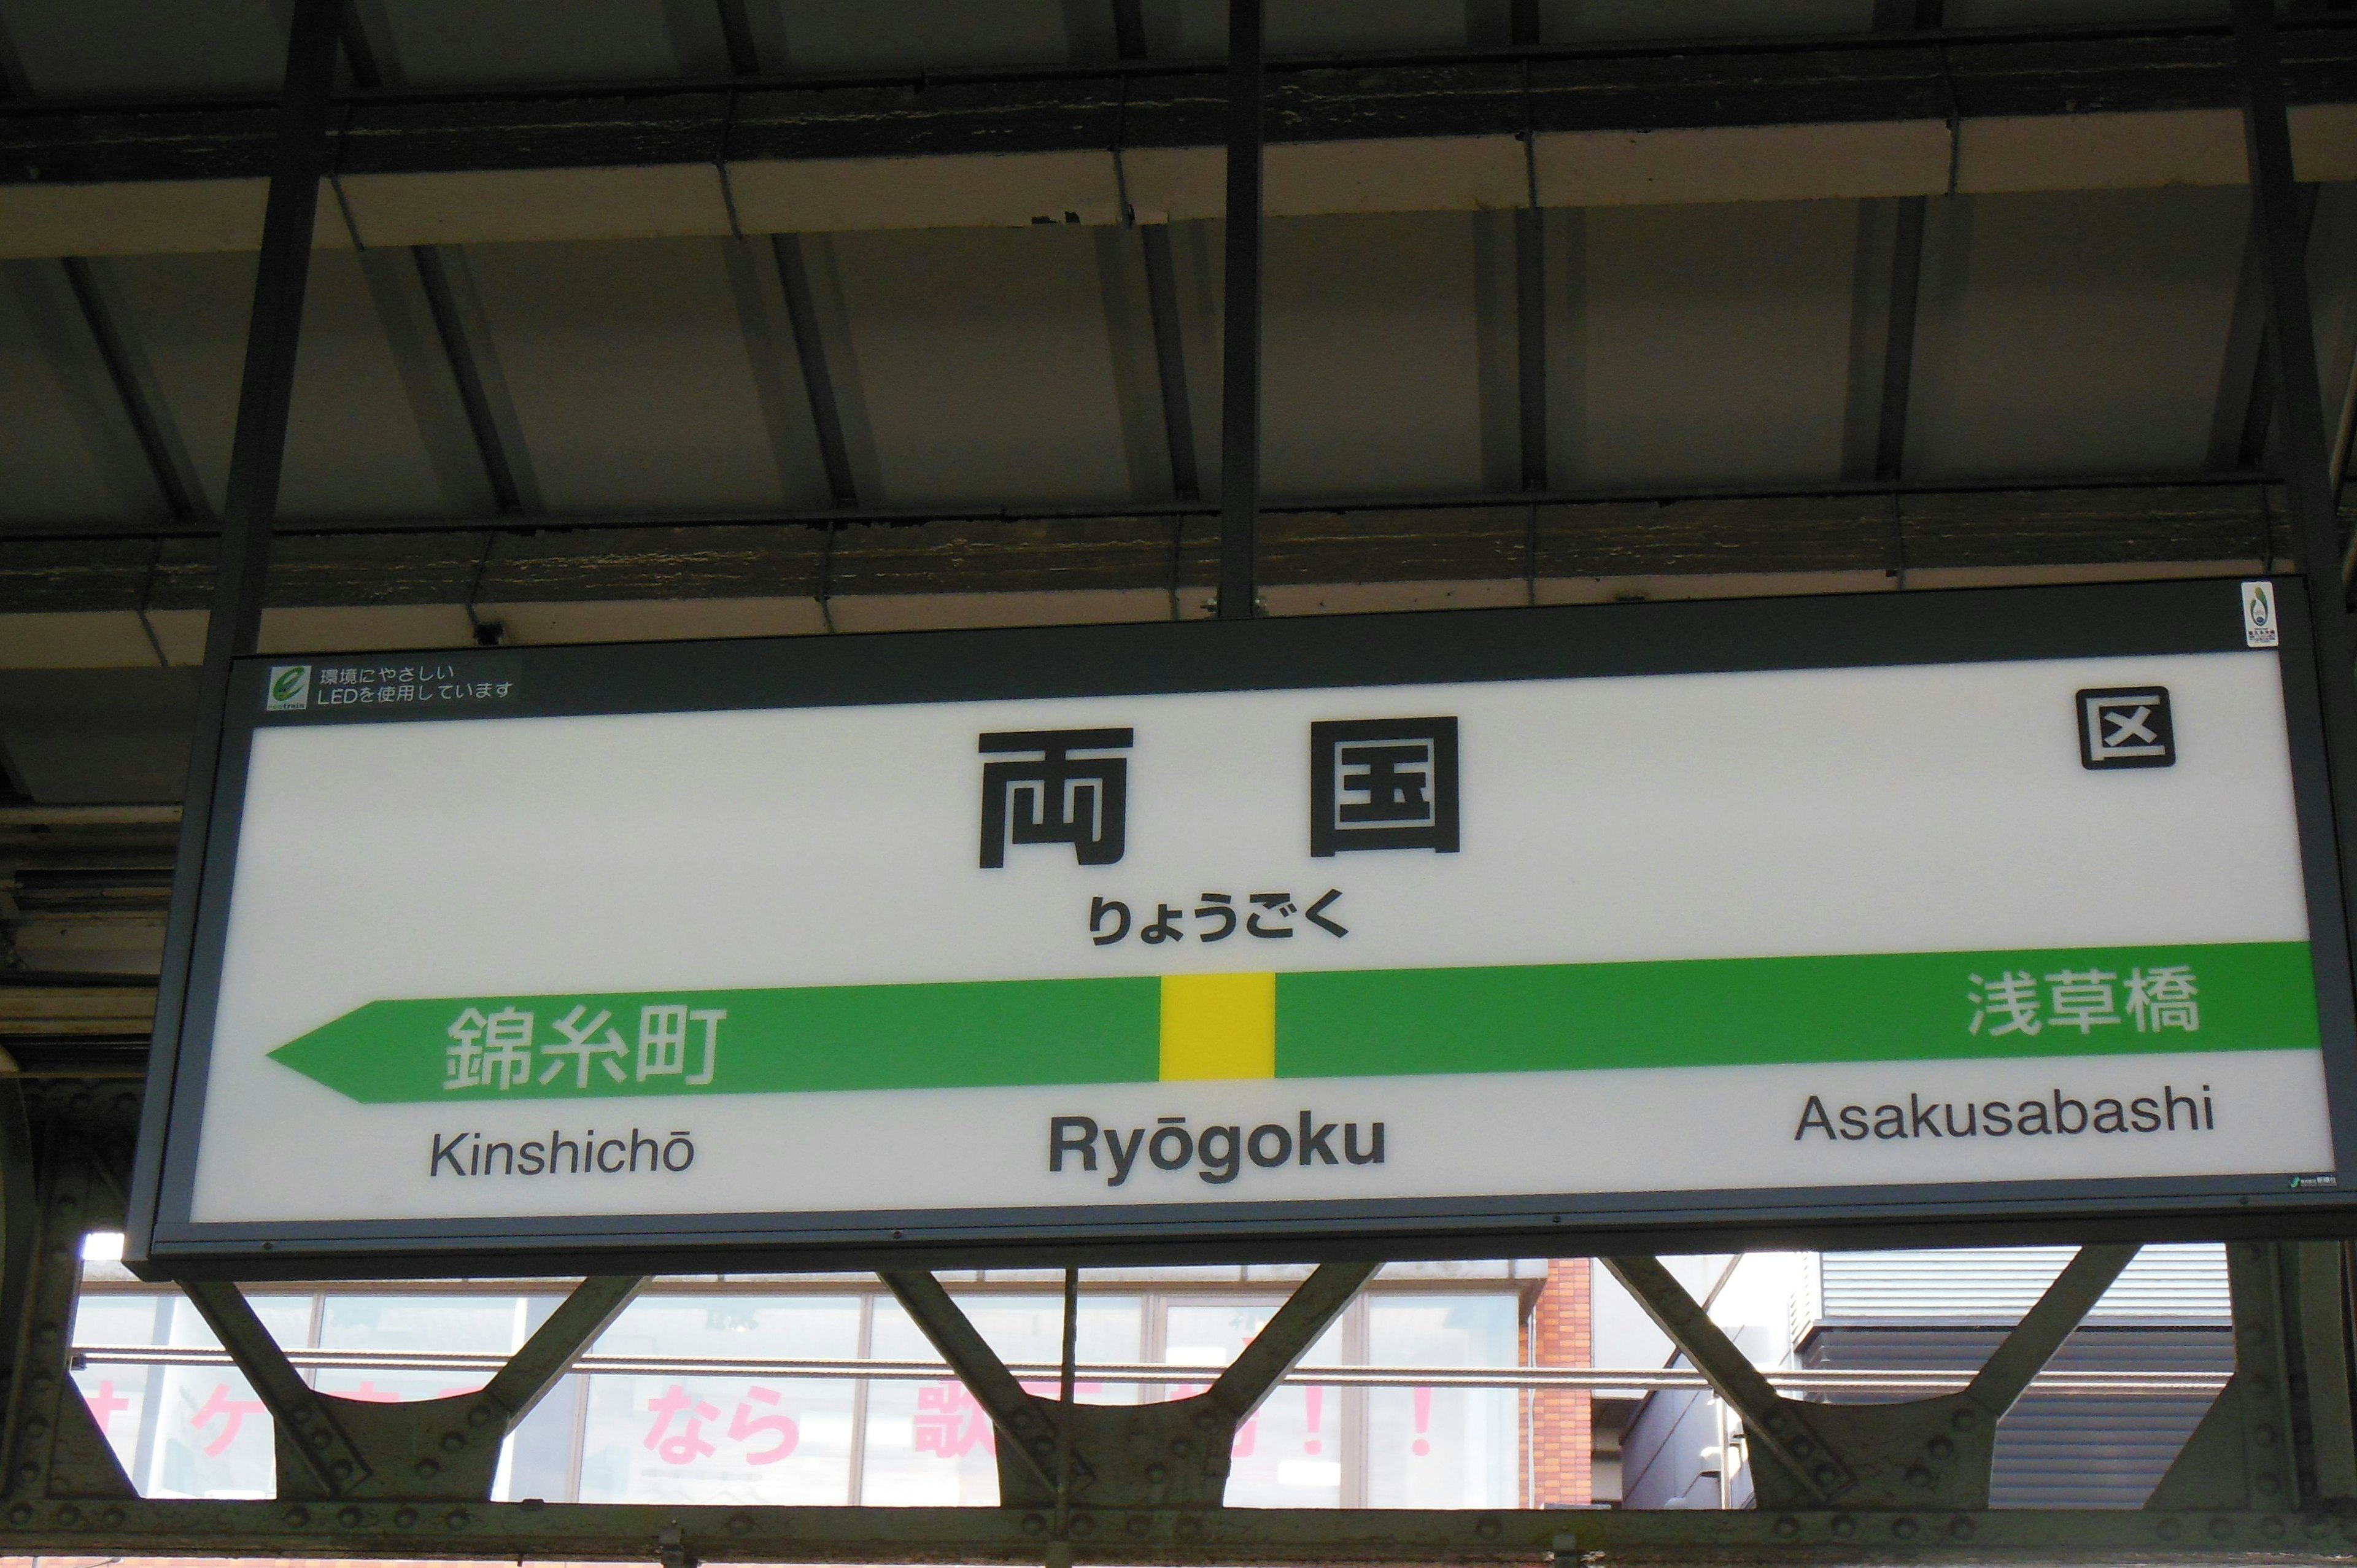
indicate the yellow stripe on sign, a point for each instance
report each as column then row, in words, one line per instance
column 1218, row 1025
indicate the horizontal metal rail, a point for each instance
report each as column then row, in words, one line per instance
column 1164, row 1374
column 1695, row 84
column 41, row 530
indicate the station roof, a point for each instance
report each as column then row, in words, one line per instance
column 683, row 318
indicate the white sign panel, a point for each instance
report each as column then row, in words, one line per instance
column 582, row 947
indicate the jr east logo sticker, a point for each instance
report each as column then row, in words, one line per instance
column 290, row 688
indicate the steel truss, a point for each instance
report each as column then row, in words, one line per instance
column 2271, row 1470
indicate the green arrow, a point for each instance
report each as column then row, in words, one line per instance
column 955, row 1036
column 1354, row 1023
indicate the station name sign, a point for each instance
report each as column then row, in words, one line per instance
column 1898, row 909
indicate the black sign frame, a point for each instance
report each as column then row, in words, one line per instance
column 1827, row 632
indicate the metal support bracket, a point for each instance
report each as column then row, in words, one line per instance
column 55, row 1448
column 1916, row 1454
column 441, row 1450
column 1172, row 1455
column 2243, row 1455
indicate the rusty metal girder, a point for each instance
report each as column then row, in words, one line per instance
column 63, row 1145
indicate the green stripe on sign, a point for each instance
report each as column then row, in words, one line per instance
column 1349, row 1023
column 956, row 1036
column 1848, row 1008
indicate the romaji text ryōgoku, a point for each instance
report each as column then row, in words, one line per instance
column 582, row 1048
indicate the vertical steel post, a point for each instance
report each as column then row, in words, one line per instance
column 2299, row 407
column 1060, row 1549
column 1530, row 276
column 256, row 452
column 1240, row 372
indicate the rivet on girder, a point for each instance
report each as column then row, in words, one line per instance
column 457, row 1518
column 1903, row 1527
column 406, row 1519
column 453, row 1441
column 1842, row 1526
column 1786, row 1527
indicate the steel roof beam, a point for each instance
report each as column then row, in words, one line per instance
column 1906, row 276
column 257, row 454
column 1240, row 373
column 1148, row 107
column 159, row 443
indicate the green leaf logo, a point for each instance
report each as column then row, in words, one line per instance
column 290, row 687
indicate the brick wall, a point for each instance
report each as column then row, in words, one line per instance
column 1558, row 1445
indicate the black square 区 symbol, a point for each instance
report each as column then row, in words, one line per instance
column 2125, row 726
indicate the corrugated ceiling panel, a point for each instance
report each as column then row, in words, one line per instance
column 355, row 446
column 1997, row 1284
column 985, row 367
column 1567, row 20
column 2333, row 274
column 187, row 316
column 1199, row 28
column 1377, row 377
column 634, row 378
column 2073, row 334
column 66, row 451
column 2030, row 13
column 1699, row 345
column 939, row 35
column 113, row 47
column 460, row 42
column 99, row 736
